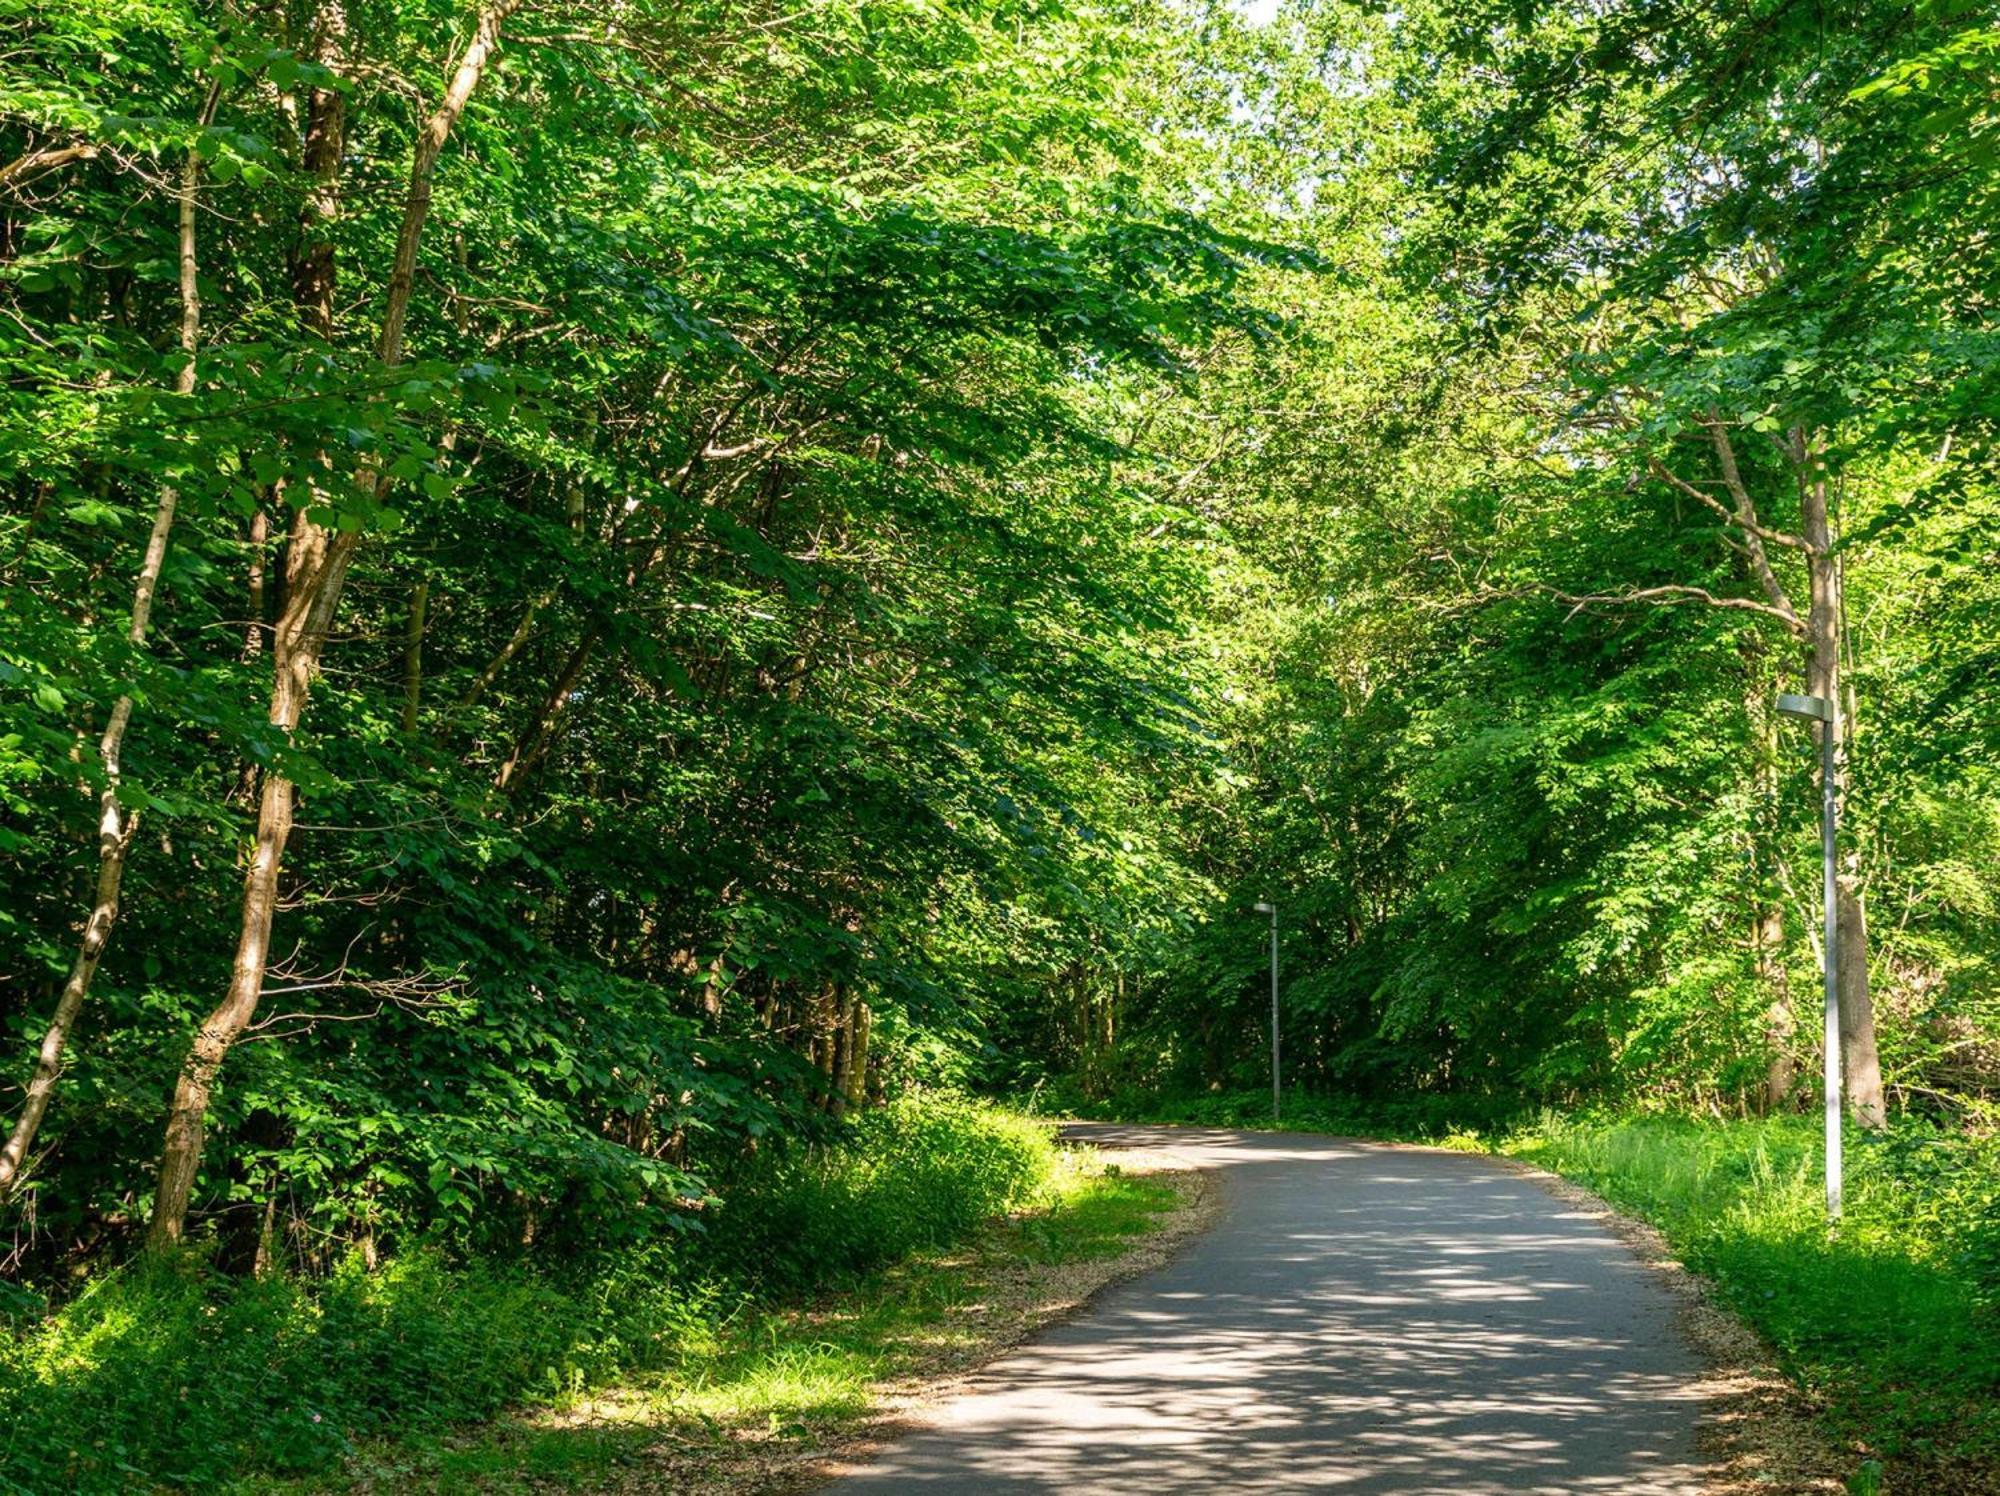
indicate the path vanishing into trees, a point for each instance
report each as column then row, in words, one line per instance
column 1363, row 1318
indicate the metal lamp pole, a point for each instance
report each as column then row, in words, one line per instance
column 1819, row 709
column 1272, row 910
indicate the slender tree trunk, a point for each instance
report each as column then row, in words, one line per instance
column 260, row 540
column 1780, row 1023
column 265, row 1263
column 863, row 1023
column 115, row 823
column 535, row 741
column 316, row 569
column 1857, row 1012
column 1859, row 1060
column 525, row 629
column 316, row 562
column 841, row 1046
column 413, row 656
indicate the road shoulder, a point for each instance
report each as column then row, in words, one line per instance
column 1758, row 1426
column 1020, row 1298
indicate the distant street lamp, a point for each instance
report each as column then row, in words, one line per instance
column 1272, row 910
column 1819, row 709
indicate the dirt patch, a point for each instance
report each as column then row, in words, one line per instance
column 1757, row 1425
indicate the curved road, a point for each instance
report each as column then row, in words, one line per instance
column 1362, row 1319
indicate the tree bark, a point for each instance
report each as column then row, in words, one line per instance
column 413, row 656
column 1780, row 1022
column 315, row 569
column 841, row 1048
column 1859, row 1057
column 1824, row 622
column 260, row 540
column 863, row 1023
column 316, row 563
column 115, row 822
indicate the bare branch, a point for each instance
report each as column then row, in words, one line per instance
column 1754, row 534
column 1665, row 595
column 46, row 159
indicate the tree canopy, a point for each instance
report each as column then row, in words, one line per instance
column 583, row 587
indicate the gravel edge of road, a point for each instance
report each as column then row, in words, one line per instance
column 1758, row 1424
column 1040, row 1296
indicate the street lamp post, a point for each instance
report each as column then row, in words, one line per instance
column 1819, row 709
column 1272, row 910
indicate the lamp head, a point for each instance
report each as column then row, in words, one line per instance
column 1267, row 908
column 1812, row 708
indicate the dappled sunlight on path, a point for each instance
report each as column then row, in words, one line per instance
column 1364, row 1319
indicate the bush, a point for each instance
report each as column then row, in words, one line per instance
column 169, row 1373
column 912, row 1175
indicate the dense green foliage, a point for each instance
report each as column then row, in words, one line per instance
column 750, row 638
column 1525, row 521
column 170, row 1373
column 589, row 593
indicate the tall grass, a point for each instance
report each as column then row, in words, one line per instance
column 168, row 1374
column 1893, row 1318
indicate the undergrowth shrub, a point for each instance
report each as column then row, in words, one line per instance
column 913, row 1175
column 168, row 1373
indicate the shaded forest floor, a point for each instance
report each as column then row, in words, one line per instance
column 778, row 1393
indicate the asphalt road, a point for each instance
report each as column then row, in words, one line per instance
column 1361, row 1319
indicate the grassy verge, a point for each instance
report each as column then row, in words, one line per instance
column 773, row 1389
column 171, row 1375
column 1892, row 1322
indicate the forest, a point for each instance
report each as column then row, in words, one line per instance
column 610, row 610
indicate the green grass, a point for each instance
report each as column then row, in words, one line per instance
column 169, row 1374
column 794, row 1377
column 1893, row 1320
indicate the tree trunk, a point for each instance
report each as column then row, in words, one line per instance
column 260, row 540
column 863, row 1023
column 574, row 512
column 115, row 823
column 413, row 656
column 841, row 1051
column 1824, row 625
column 1780, row 1023
column 540, row 733
column 1859, row 1058
column 316, row 565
